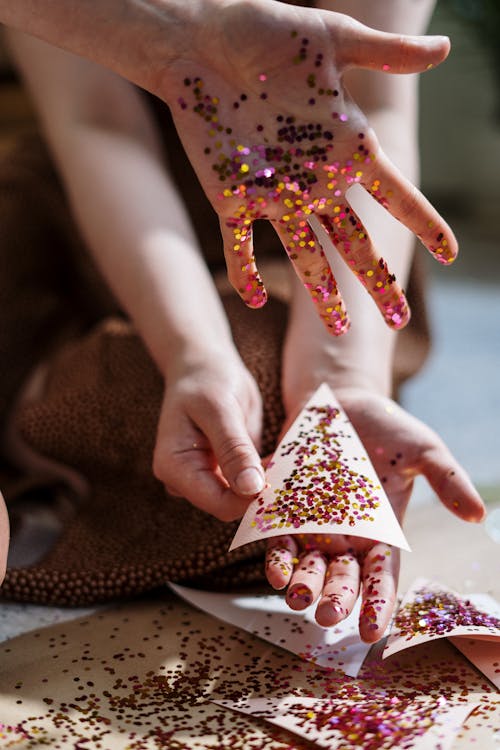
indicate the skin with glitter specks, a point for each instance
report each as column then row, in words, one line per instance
column 280, row 155
column 287, row 173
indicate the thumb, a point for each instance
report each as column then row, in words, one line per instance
column 233, row 449
column 363, row 47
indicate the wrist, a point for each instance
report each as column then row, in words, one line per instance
column 313, row 357
column 186, row 41
column 346, row 382
column 345, row 370
column 188, row 356
column 361, row 358
column 165, row 34
column 139, row 39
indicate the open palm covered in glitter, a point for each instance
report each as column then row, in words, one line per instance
column 264, row 151
column 331, row 569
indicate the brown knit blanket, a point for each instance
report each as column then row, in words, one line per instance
column 93, row 407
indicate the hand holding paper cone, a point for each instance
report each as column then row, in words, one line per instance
column 326, row 506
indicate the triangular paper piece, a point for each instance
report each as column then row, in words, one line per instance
column 485, row 655
column 269, row 617
column 422, row 724
column 321, row 481
column 430, row 610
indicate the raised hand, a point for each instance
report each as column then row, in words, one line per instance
column 331, row 569
column 256, row 91
column 273, row 134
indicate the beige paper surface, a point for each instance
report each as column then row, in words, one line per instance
column 143, row 676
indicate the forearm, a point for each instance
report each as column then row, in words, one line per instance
column 138, row 39
column 105, row 143
column 144, row 247
column 360, row 358
column 363, row 357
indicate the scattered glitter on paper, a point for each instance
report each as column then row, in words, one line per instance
column 326, row 490
column 434, row 612
column 144, row 677
column 371, row 725
column 320, row 481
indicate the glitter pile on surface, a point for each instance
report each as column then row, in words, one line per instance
column 373, row 725
column 144, row 676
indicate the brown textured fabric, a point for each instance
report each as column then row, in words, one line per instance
column 98, row 415
column 98, row 409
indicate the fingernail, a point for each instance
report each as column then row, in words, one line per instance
column 250, row 481
column 299, row 596
column 328, row 613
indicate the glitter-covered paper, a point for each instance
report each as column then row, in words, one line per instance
column 482, row 653
column 430, row 610
column 420, row 724
column 321, row 481
column 269, row 617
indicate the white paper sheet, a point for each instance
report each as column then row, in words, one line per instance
column 270, row 618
